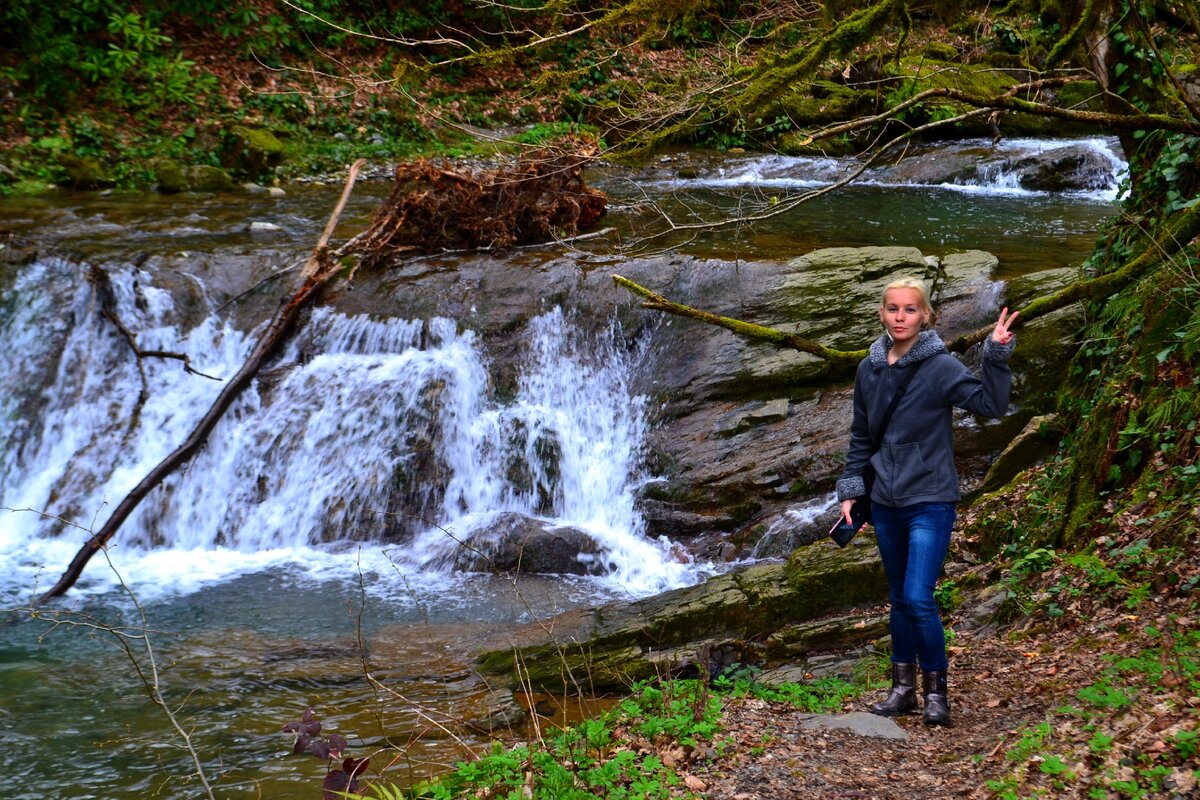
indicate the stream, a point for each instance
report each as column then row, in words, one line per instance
column 314, row 533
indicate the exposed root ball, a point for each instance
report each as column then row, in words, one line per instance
column 435, row 206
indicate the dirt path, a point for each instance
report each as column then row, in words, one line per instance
column 777, row 758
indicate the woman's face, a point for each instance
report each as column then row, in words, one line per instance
column 902, row 313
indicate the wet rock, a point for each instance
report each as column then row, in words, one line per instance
column 758, row 413
column 250, row 187
column 84, row 172
column 1072, row 168
column 170, row 176
column 203, row 178
column 520, row 544
column 275, row 191
column 263, row 227
column 501, row 712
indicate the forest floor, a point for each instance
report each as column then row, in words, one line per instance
column 1096, row 699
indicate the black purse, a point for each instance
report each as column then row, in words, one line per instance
column 860, row 512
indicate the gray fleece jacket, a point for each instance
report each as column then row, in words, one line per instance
column 915, row 462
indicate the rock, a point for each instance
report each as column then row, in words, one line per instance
column 250, row 187
column 829, row 633
column 993, row 605
column 170, row 176
column 83, row 172
column 203, row 178
column 12, row 254
column 31, row 187
column 275, row 191
column 340, row 136
column 252, row 152
column 859, row 723
column 619, row 642
column 520, row 544
column 1038, row 440
column 759, row 413
column 1064, row 169
column 263, row 227
column 501, row 712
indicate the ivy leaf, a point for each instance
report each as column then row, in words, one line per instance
column 337, row 744
column 320, row 749
column 1120, row 69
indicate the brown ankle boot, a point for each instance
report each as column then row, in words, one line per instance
column 937, row 701
column 902, row 699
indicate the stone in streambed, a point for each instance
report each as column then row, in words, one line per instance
column 515, row 543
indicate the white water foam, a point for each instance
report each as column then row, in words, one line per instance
column 994, row 175
column 367, row 431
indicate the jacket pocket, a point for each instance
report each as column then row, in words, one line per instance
column 911, row 476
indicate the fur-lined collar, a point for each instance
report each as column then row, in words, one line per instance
column 928, row 345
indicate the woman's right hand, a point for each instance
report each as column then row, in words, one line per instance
column 846, row 506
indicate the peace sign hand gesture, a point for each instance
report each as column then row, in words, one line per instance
column 1001, row 334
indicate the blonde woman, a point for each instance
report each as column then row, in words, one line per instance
column 916, row 486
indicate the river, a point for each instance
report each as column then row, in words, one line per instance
column 306, row 540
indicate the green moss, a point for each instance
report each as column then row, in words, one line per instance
column 170, row 176
column 84, row 172
column 203, row 178
column 30, row 188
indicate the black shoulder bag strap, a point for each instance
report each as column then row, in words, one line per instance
column 869, row 472
column 896, row 398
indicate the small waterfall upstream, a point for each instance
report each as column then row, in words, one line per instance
column 376, row 443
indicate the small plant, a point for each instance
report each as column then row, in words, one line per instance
column 342, row 772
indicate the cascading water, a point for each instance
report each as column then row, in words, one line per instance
column 378, row 431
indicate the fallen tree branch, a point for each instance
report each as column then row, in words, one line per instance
column 317, row 272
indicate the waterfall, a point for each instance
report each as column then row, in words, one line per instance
column 387, row 432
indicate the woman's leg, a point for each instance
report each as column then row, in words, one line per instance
column 891, row 535
column 929, row 526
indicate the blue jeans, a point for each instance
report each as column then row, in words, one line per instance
column 913, row 541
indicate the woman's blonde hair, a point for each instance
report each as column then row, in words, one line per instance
column 916, row 284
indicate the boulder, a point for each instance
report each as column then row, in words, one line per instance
column 1035, row 442
column 606, row 647
column 520, row 544
column 84, row 172
column 203, row 178
column 252, row 152
column 170, row 176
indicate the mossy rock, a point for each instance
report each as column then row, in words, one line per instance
column 938, row 51
column 203, row 178
column 252, row 152
column 170, row 176
column 1081, row 96
column 31, row 188
column 619, row 642
column 84, row 172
